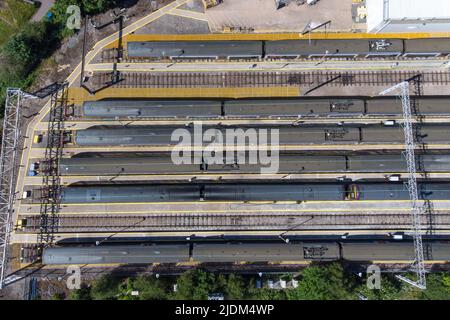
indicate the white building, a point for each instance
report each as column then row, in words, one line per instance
column 408, row 16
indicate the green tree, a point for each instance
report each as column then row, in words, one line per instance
column 150, row 288
column 105, row 288
column 96, row 6
column 446, row 280
column 235, row 288
column 26, row 48
column 437, row 287
column 323, row 282
column 84, row 293
column 197, row 285
column 58, row 296
column 390, row 289
column 268, row 294
column 125, row 290
column 14, row 14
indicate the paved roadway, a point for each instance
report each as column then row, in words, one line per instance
column 317, row 65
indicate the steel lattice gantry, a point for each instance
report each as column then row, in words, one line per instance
column 8, row 171
column 51, row 191
column 416, row 209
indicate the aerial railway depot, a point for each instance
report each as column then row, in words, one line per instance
column 341, row 172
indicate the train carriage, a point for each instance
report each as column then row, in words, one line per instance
column 162, row 136
column 163, row 164
column 274, row 192
column 195, row 49
column 292, row 108
column 377, row 251
column 257, row 49
column 124, row 166
column 333, row 48
column 427, row 47
column 438, row 251
column 240, row 252
column 361, row 251
column 152, row 109
column 244, row 108
column 130, row 194
column 378, row 163
column 116, row 254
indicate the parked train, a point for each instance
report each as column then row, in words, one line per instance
column 248, row 192
column 244, row 252
column 132, row 164
column 242, row 49
column 254, row 109
column 287, row 135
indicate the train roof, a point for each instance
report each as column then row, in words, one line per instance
column 397, row 191
column 264, row 252
column 116, row 254
column 379, row 251
column 292, row 107
column 130, row 193
column 437, row 251
column 158, row 49
column 151, row 108
column 129, row 165
column 251, row 252
column 158, row 135
column 254, row 108
column 274, row 192
column 320, row 47
column 428, row 46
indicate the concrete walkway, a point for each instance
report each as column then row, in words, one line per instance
column 45, row 7
column 308, row 65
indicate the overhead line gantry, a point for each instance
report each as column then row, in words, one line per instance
column 416, row 209
column 9, row 165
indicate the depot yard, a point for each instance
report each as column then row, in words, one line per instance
column 97, row 160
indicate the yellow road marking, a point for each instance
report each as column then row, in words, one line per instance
column 189, row 14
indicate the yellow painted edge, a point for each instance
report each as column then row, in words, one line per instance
column 79, row 95
column 277, row 36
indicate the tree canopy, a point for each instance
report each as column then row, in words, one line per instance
column 316, row 282
column 25, row 44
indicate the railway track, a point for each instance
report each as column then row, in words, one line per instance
column 267, row 79
column 227, row 222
